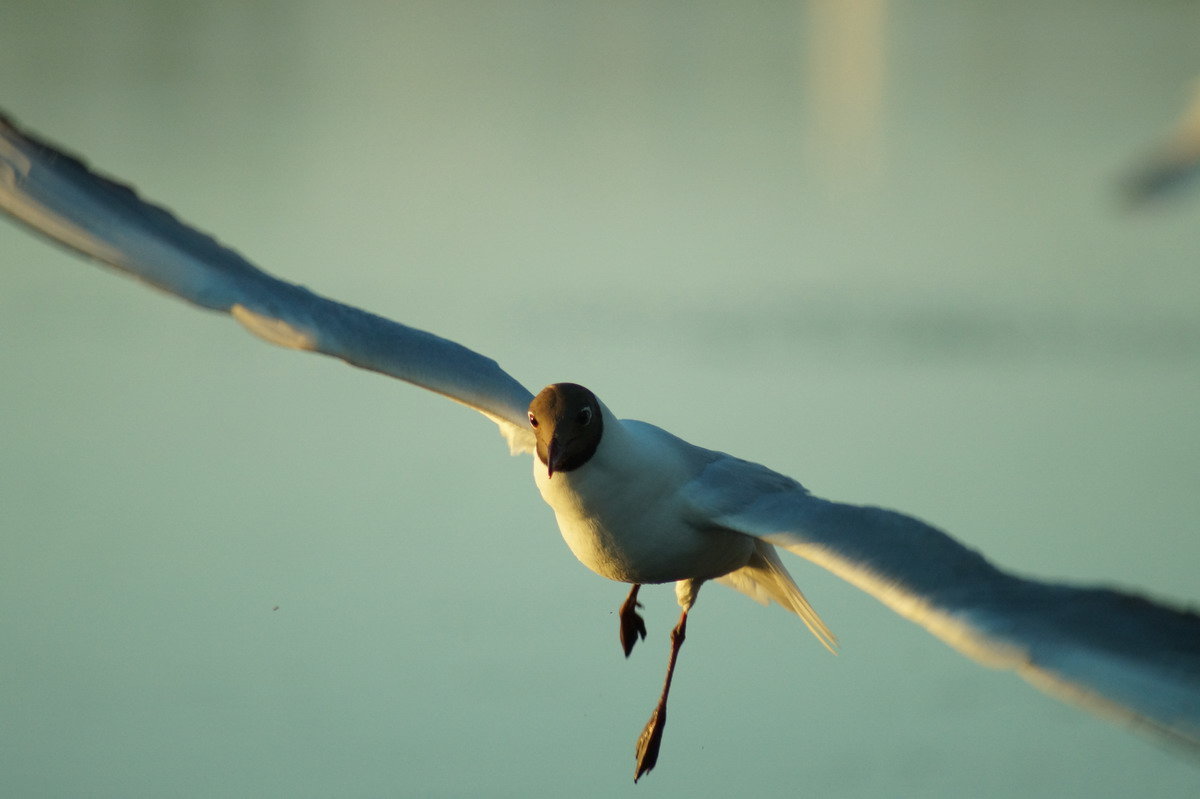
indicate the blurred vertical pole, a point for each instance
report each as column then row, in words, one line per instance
column 845, row 81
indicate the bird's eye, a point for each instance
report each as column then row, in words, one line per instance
column 533, row 422
column 585, row 416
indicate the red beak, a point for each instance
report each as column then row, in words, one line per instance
column 551, row 457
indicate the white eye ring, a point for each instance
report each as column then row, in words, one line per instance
column 533, row 422
column 585, row 416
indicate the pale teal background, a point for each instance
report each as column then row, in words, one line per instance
column 885, row 257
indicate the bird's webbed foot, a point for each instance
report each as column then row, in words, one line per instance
column 650, row 740
column 632, row 624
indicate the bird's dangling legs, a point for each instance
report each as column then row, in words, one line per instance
column 651, row 737
column 632, row 625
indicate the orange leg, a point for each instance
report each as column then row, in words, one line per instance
column 651, row 737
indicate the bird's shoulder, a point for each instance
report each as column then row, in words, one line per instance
column 713, row 483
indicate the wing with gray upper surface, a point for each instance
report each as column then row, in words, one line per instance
column 58, row 195
column 1119, row 655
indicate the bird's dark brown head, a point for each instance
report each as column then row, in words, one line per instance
column 567, row 422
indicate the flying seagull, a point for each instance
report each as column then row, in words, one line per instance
column 1173, row 165
column 638, row 505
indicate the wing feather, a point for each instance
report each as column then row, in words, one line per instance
column 58, row 195
column 1117, row 654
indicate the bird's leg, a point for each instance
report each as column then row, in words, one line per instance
column 651, row 737
column 632, row 625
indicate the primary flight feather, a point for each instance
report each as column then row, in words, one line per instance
column 639, row 505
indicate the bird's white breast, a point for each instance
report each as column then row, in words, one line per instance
column 623, row 514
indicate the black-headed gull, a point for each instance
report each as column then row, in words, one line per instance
column 639, row 505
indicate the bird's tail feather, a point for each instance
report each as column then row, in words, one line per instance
column 764, row 579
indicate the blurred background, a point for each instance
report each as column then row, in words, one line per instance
column 880, row 247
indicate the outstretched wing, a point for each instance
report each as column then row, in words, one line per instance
column 58, row 195
column 1117, row 654
column 1174, row 164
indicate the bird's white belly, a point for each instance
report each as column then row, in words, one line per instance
column 635, row 534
